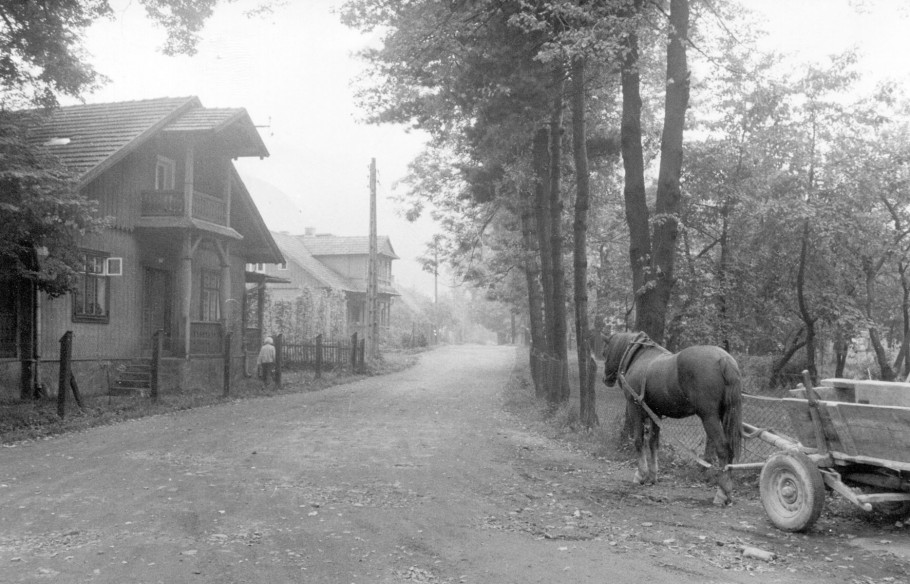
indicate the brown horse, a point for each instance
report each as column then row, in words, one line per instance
column 703, row 381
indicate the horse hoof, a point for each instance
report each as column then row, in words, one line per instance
column 638, row 479
column 722, row 500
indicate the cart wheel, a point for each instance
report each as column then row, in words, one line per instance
column 792, row 490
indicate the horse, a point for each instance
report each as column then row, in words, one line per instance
column 702, row 380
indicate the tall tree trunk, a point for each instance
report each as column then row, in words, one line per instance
column 560, row 328
column 633, row 163
column 841, row 347
column 652, row 315
column 544, row 214
column 586, row 406
column 903, row 356
column 807, row 318
column 871, row 270
column 535, row 302
column 724, row 269
column 541, row 168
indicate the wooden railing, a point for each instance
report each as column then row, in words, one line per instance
column 208, row 208
column 162, row 204
column 171, row 204
column 206, row 338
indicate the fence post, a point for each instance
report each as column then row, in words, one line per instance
column 227, row 364
column 66, row 350
column 318, row 356
column 279, row 358
column 157, row 339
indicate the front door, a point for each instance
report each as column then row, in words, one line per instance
column 156, row 307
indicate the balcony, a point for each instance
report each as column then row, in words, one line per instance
column 172, row 204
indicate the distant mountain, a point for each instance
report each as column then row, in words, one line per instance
column 279, row 210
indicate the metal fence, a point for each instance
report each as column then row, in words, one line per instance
column 323, row 354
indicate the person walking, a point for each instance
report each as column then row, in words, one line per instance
column 266, row 360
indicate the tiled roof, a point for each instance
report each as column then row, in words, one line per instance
column 294, row 250
column 91, row 138
column 329, row 245
column 205, row 119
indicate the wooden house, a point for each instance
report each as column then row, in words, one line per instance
column 337, row 263
column 182, row 228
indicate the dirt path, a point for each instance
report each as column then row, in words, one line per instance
column 419, row 476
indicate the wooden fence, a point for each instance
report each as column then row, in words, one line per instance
column 320, row 355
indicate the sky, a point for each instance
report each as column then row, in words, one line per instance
column 293, row 72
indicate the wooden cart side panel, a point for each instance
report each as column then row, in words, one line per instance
column 878, row 431
column 798, row 411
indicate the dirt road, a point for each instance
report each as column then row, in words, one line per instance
column 419, row 476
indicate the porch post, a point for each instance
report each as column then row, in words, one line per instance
column 224, row 254
column 188, row 180
column 260, row 307
column 187, row 285
column 227, row 191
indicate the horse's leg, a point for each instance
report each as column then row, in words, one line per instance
column 714, row 432
column 653, row 447
column 636, row 417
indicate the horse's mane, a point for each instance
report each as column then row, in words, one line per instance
column 616, row 346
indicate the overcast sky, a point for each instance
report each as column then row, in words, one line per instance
column 293, row 71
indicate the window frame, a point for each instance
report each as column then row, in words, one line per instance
column 169, row 177
column 203, row 295
column 101, row 281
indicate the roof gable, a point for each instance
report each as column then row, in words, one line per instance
column 294, row 250
column 91, row 138
column 333, row 245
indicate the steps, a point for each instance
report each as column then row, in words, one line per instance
column 136, row 379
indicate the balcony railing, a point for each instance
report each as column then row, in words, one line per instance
column 206, row 338
column 172, row 204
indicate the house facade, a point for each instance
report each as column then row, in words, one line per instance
column 339, row 263
column 182, row 228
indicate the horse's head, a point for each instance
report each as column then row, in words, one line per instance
column 614, row 347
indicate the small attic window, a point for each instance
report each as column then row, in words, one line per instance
column 165, row 174
column 57, row 142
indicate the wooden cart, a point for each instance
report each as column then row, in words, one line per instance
column 859, row 450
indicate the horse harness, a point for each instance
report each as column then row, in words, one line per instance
column 640, row 341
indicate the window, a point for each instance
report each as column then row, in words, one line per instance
column 283, row 266
column 259, row 268
column 211, row 296
column 90, row 296
column 165, row 171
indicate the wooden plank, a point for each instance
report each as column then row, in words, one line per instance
column 842, row 429
column 878, row 431
column 882, row 393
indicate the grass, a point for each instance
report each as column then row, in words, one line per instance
column 30, row 420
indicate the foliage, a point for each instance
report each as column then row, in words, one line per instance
column 41, row 213
column 314, row 312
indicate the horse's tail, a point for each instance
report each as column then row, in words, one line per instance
column 732, row 416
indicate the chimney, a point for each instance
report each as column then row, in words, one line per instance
column 309, row 231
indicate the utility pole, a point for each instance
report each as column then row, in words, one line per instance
column 435, row 290
column 372, row 331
